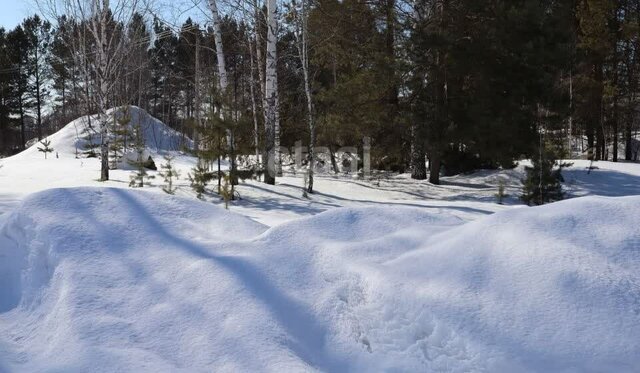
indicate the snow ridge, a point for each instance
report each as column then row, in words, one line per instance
column 114, row 279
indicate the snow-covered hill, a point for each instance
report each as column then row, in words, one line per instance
column 68, row 166
column 73, row 139
column 104, row 279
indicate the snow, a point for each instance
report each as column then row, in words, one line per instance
column 381, row 274
column 106, row 277
column 72, row 138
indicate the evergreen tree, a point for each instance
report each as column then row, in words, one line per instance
column 226, row 192
column 5, row 117
column 90, row 137
column 136, row 85
column 141, row 164
column 200, row 177
column 120, row 135
column 45, row 147
column 543, row 182
column 168, row 173
column 18, row 103
column 38, row 37
column 65, row 73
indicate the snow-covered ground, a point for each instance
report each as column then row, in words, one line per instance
column 381, row 274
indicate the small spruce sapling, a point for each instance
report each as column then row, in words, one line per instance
column 46, row 147
column 543, row 182
column 140, row 175
column 120, row 136
column 88, row 134
column 199, row 178
column 168, row 173
column 226, row 191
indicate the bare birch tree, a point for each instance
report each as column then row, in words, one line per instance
column 101, row 44
column 223, row 81
column 302, row 44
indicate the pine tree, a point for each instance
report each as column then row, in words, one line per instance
column 226, row 191
column 168, row 173
column 120, row 136
column 543, row 182
column 141, row 174
column 5, row 111
column 90, row 136
column 46, row 147
column 199, row 178
column 65, row 72
column 38, row 36
column 18, row 103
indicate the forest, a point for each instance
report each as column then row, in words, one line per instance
column 464, row 84
column 320, row 186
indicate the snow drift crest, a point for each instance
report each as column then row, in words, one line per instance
column 108, row 278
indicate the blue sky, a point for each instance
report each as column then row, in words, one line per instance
column 12, row 12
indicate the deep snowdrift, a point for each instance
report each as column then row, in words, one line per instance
column 121, row 280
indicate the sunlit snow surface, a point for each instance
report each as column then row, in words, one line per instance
column 367, row 275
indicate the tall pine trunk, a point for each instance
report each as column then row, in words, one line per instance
column 434, row 167
column 418, row 164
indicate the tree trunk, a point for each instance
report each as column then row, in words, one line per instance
column 418, row 164
column 260, row 61
column 271, row 95
column 223, row 82
column 217, row 36
column 22, row 129
column 254, row 105
column 615, row 129
column 103, row 65
column 303, row 51
column 38, row 88
column 390, row 15
column 434, row 167
column 600, row 143
column 196, row 86
column 334, row 164
column 628, row 154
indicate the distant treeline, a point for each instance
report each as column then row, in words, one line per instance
column 463, row 83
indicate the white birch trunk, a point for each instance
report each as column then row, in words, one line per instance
column 217, row 36
column 303, row 51
column 99, row 31
column 271, row 95
column 197, row 103
column 254, row 106
column 222, row 72
column 102, row 66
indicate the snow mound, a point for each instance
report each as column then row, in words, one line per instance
column 125, row 280
column 77, row 136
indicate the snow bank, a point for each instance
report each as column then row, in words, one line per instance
column 125, row 280
column 75, row 137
